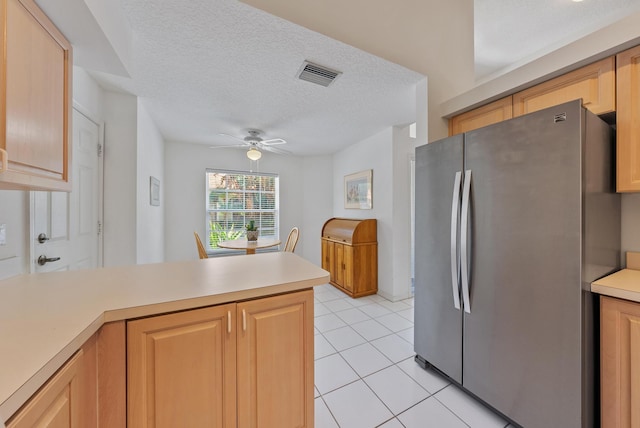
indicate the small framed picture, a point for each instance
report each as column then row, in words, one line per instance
column 358, row 190
column 154, row 191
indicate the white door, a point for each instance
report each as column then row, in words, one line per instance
column 65, row 227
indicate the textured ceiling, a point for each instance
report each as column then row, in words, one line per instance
column 205, row 67
column 513, row 31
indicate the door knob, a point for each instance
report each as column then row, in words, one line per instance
column 42, row 238
column 43, row 260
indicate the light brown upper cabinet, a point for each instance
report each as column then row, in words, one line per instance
column 488, row 114
column 594, row 83
column 35, row 100
column 628, row 120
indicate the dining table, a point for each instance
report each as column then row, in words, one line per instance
column 249, row 246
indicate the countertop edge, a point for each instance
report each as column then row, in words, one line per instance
column 624, row 284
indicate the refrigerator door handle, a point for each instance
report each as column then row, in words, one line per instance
column 464, row 240
column 455, row 204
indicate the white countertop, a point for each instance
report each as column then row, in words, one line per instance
column 45, row 318
column 624, row 284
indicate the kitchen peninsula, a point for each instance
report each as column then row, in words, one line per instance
column 46, row 319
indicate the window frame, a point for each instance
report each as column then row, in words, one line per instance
column 209, row 210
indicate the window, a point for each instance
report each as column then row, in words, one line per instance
column 236, row 197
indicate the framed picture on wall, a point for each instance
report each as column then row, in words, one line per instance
column 358, row 190
column 154, row 191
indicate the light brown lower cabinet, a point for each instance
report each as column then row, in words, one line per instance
column 246, row 364
column 69, row 398
column 620, row 362
column 57, row 404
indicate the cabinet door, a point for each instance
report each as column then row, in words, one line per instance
column 327, row 258
column 364, row 264
column 620, row 362
column 339, row 266
column 275, row 361
column 348, row 268
column 628, row 120
column 489, row 114
column 37, row 89
column 181, row 369
column 58, row 404
column 594, row 83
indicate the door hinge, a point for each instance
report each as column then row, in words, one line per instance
column 99, row 150
column 99, row 228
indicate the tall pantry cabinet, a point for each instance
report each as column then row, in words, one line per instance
column 350, row 254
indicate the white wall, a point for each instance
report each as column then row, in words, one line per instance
column 150, row 162
column 388, row 154
column 185, row 194
column 316, row 203
column 403, row 153
column 630, row 223
column 120, row 189
column 14, row 214
column 88, row 94
column 376, row 153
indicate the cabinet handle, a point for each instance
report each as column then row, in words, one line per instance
column 4, row 160
column 244, row 320
column 229, row 322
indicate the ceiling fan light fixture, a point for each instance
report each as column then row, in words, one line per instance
column 254, row 154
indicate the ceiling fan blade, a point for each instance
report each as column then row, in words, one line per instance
column 227, row 147
column 276, row 150
column 273, row 142
column 232, row 136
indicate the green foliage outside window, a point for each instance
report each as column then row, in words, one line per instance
column 217, row 233
column 234, row 199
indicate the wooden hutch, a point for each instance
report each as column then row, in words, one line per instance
column 350, row 254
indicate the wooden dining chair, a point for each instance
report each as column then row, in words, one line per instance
column 292, row 240
column 201, row 251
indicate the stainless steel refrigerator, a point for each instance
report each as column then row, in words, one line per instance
column 513, row 222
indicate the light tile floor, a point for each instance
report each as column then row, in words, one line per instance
column 366, row 376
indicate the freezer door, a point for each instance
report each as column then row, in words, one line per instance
column 522, row 337
column 438, row 323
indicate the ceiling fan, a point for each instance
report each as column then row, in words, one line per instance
column 255, row 143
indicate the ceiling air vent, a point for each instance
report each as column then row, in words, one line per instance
column 318, row 74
